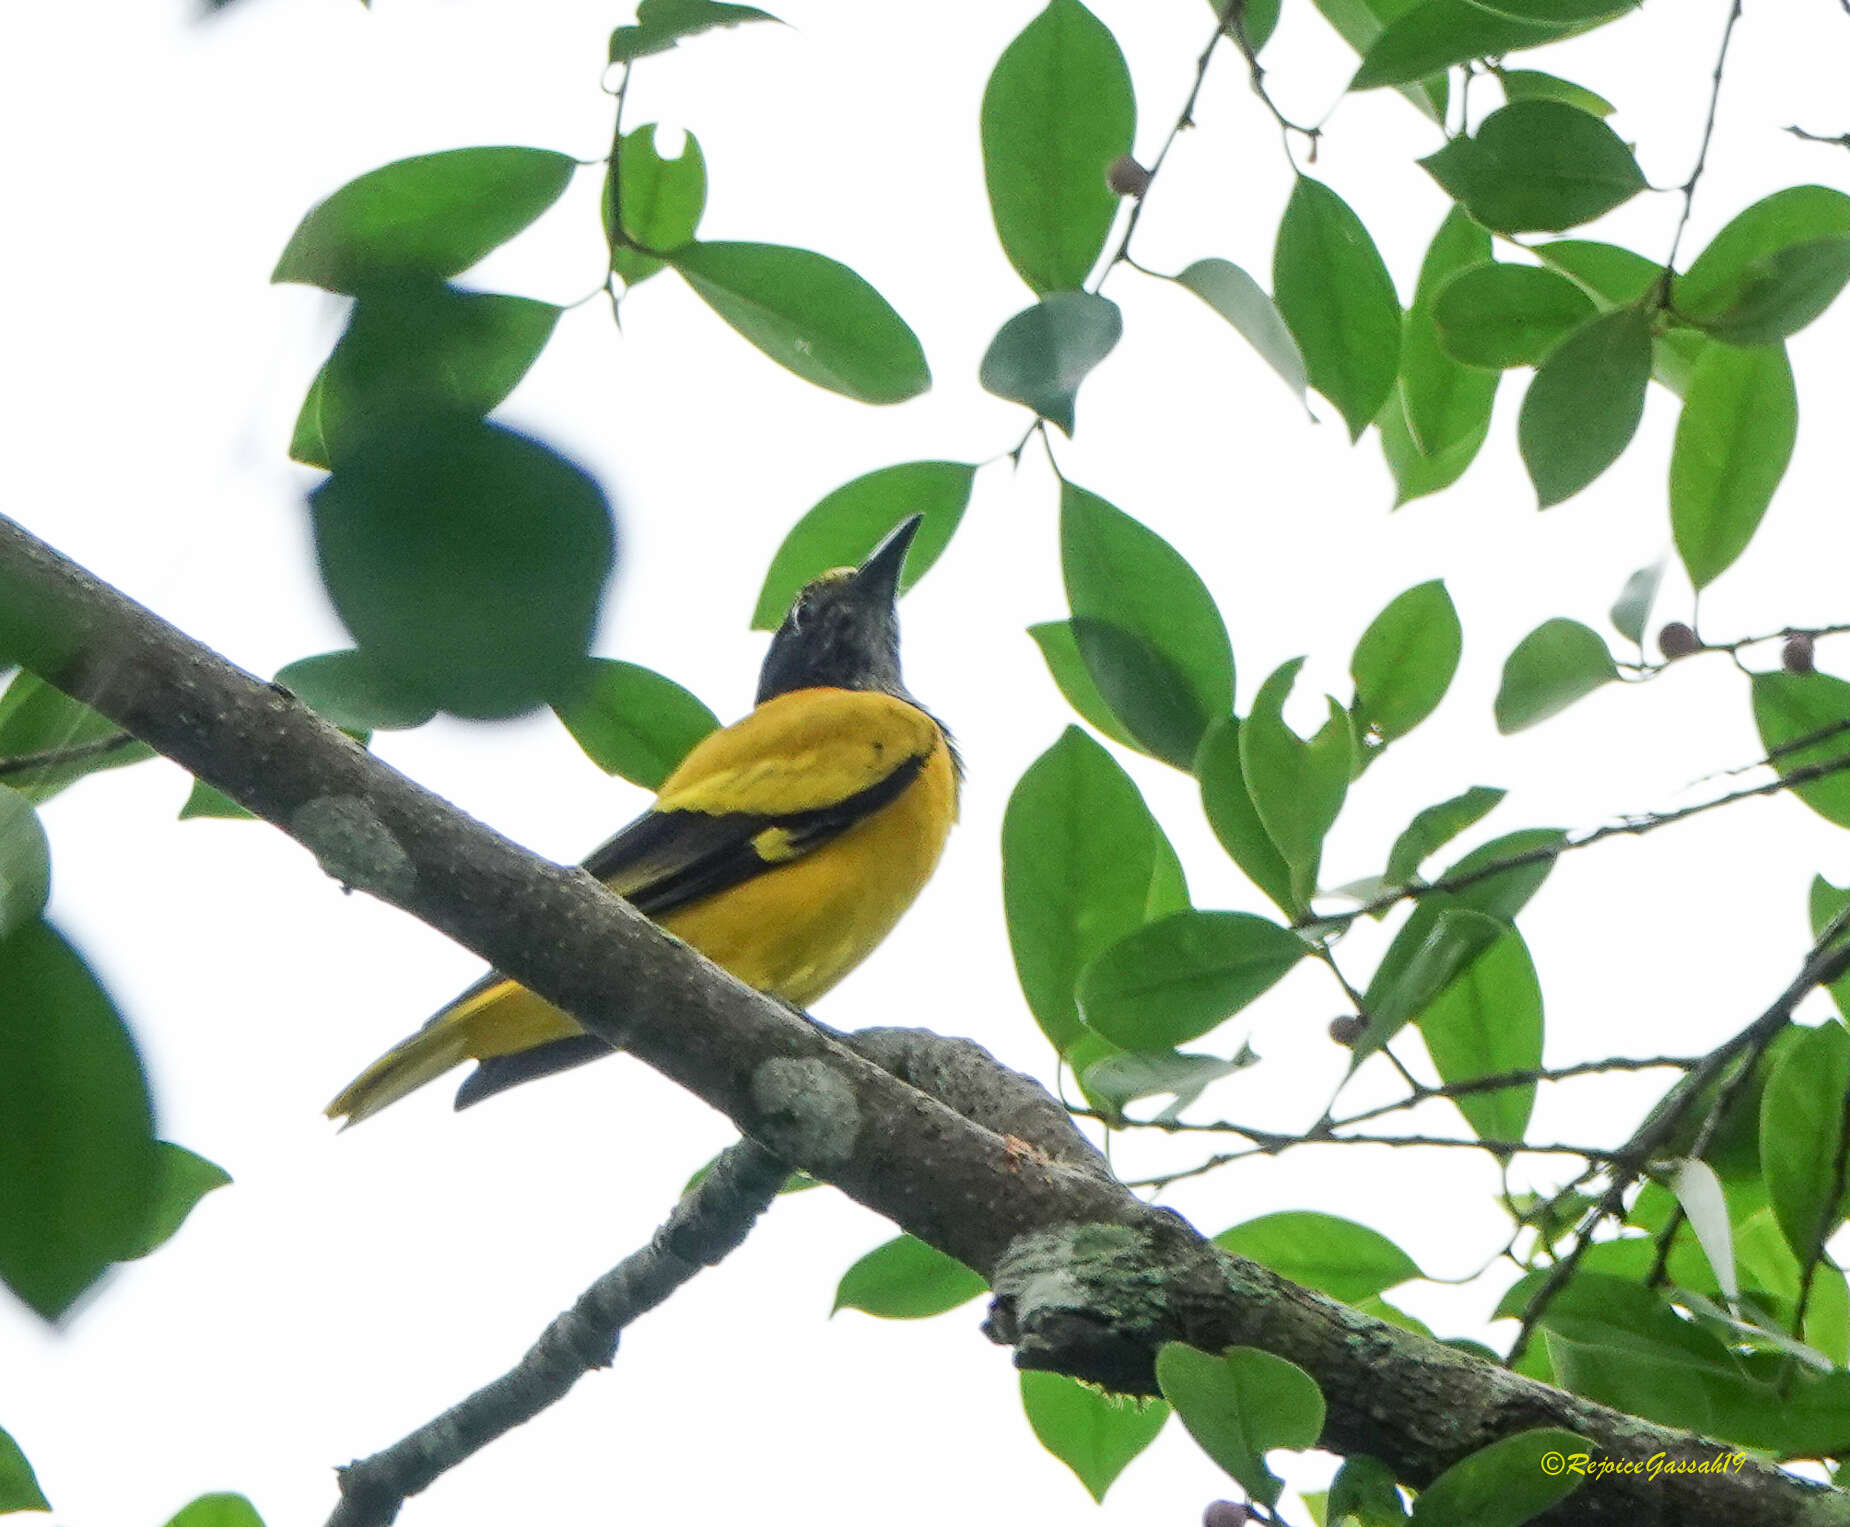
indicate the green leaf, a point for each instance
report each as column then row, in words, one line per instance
column 1338, row 299
column 1557, row 663
column 1404, row 662
column 1445, row 403
column 905, row 1279
column 1416, row 473
column 1436, row 826
column 1094, row 1434
column 1633, row 606
column 1060, row 647
column 1780, row 293
column 1791, row 706
column 1335, row 1256
column 1740, row 419
column 220, row 1510
column 1361, row 22
column 1616, row 278
column 19, row 1486
column 25, row 863
column 1175, row 979
column 1235, row 820
column 415, row 349
column 1705, row 1205
column 1432, row 36
column 1243, row 302
column 1488, row 1022
column 1041, row 355
column 812, row 315
column 1801, row 1136
column 1078, row 858
column 1561, row 12
column 1297, row 786
column 206, row 802
column 1736, row 259
column 660, row 24
column 352, row 692
column 1125, row 1076
column 850, row 522
column 468, row 561
column 1537, row 165
column 78, row 1170
column 182, row 1178
column 662, row 200
column 1147, row 692
column 1584, row 405
column 634, row 722
column 1503, row 1485
column 1508, row 315
column 1239, row 1406
column 37, row 719
column 429, row 217
column 1057, row 110
column 1120, row 574
column 1364, row 1494
column 1533, row 85
column 1825, row 902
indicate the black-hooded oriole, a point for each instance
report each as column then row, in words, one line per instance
column 784, row 847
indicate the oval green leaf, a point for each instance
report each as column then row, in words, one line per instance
column 219, row 1510
column 1178, row 977
column 1446, row 403
column 633, row 722
column 1801, row 1137
column 1436, row 826
column 469, row 562
column 351, row 691
column 1418, row 473
column 1430, row 37
column 183, row 1177
column 1235, row 819
column 1782, row 292
column 1060, row 649
column 1338, row 299
column 1499, row 316
column 1404, row 662
column 1584, row 405
column 1333, row 1255
column 1718, row 276
column 1557, row 663
column 1488, row 1022
column 662, row 200
column 1057, row 110
column 1297, row 785
column 1042, row 354
column 1243, row 302
column 429, row 217
column 1533, row 85
column 1735, row 436
column 660, row 24
column 1503, row 1485
column 19, row 1486
column 1789, row 707
column 1094, row 1434
column 851, row 521
column 1538, row 165
column 1239, row 1406
column 906, row 1279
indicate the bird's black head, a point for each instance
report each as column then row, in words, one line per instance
column 843, row 630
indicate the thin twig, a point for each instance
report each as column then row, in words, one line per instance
column 76, row 752
column 1702, row 154
column 1840, row 140
column 1425, row 1094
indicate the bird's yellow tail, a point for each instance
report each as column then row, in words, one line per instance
column 495, row 1018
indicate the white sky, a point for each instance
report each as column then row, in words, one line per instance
column 345, row 1289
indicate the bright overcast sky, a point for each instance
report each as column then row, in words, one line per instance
column 346, row 1289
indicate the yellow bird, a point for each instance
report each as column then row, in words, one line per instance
column 785, row 847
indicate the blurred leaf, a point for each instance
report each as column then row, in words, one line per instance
column 19, row 1486
column 1790, row 706
column 1060, row 647
column 1508, row 315
column 1537, row 165
column 1584, row 405
column 1782, row 292
column 660, row 24
column 662, row 200
column 222, row 1510
column 25, row 863
column 847, row 524
column 1428, row 38
column 1041, row 355
column 353, row 693
column 1616, row 278
column 905, row 1279
column 1824, row 903
column 1128, row 1075
column 468, row 561
column 1120, row 574
column 182, row 1178
column 1297, row 786
column 812, row 315
column 1533, row 85
column 1801, row 1136
column 432, row 216
column 1488, row 1022
column 206, row 802
column 415, row 349
column 1404, row 662
column 1094, row 1434
column 1446, row 403
column 1175, row 979
column 1700, row 1193
column 1239, row 1406
column 1563, row 12
column 1504, row 1484
column 1078, row 857
column 1633, row 606
column 1364, row 1491
column 632, row 721
column 1557, row 663
column 1740, row 419
column 1243, row 302
column 1235, row 820
column 1339, row 301
column 37, row 719
column 1057, row 110
column 1436, row 826
column 78, row 1170
column 1335, row 1256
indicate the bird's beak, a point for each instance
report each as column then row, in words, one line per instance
column 878, row 577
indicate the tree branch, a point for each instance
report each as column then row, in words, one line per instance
column 1088, row 1280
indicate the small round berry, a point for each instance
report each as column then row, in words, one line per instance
column 1225, row 1513
column 1348, row 1028
column 1678, row 640
column 1126, row 176
column 1799, row 655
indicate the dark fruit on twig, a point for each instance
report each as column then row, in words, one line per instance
column 1799, row 654
column 1678, row 640
column 1225, row 1513
column 1126, row 176
column 1347, row 1029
